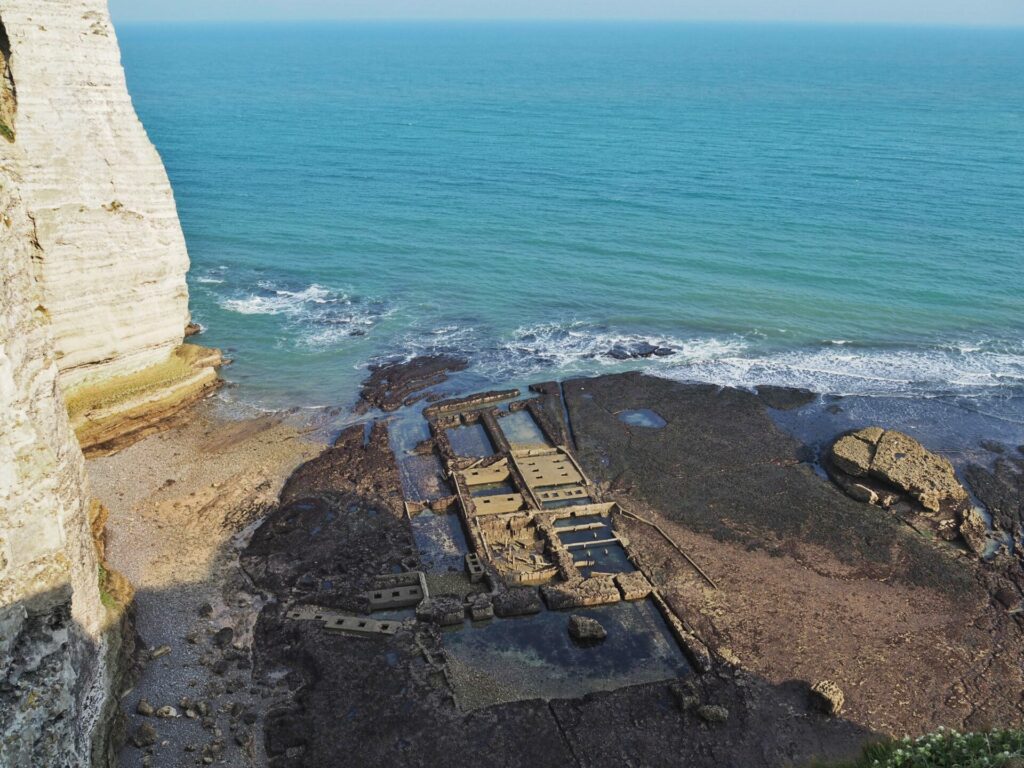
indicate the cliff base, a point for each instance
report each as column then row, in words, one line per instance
column 110, row 415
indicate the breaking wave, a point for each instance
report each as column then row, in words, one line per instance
column 838, row 367
column 553, row 350
column 318, row 316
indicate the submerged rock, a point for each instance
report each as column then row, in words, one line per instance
column 785, row 398
column 586, row 630
column 638, row 350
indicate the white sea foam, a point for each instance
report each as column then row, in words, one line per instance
column 579, row 347
column 836, row 367
column 919, row 372
column 315, row 317
column 273, row 301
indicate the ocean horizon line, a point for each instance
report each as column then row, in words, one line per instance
column 561, row 21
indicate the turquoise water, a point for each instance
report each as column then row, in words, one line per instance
column 837, row 208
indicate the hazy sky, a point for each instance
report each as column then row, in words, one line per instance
column 989, row 12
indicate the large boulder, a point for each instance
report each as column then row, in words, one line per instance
column 901, row 463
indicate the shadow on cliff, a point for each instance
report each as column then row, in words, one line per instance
column 50, row 662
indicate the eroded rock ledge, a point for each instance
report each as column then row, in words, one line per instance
column 113, row 413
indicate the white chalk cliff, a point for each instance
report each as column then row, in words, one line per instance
column 93, row 307
column 111, row 258
column 54, row 642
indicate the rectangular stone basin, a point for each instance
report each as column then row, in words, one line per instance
column 534, row 657
column 470, row 441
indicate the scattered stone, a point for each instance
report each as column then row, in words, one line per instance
column 249, row 717
column 993, row 447
column 686, row 695
column 223, row 637
column 221, row 666
column 712, row 713
column 145, row 709
column 853, row 454
column 206, row 610
column 167, row 711
column 144, row 736
column 975, row 531
column 159, row 651
column 586, row 630
column 827, row 697
column 1008, row 598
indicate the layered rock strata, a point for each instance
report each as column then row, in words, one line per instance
column 110, row 256
column 58, row 641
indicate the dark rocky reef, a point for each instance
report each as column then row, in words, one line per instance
column 392, row 385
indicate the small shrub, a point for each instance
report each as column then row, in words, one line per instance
column 946, row 749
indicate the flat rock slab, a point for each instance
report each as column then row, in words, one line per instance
column 812, row 584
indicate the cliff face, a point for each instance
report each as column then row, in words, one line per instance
column 111, row 258
column 53, row 639
column 93, row 307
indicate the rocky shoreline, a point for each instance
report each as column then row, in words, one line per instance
column 830, row 621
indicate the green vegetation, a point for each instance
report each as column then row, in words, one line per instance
column 106, row 597
column 945, row 749
column 6, row 132
column 181, row 364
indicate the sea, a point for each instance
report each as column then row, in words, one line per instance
column 839, row 208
